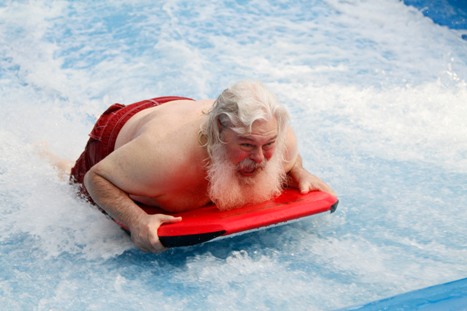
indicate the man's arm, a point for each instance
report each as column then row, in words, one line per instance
column 298, row 176
column 105, row 181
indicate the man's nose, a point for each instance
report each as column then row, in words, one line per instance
column 257, row 155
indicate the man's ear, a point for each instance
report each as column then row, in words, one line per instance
column 220, row 126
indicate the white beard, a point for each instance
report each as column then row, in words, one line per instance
column 228, row 189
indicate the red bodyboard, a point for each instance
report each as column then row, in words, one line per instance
column 207, row 223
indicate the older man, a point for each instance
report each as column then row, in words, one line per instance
column 180, row 154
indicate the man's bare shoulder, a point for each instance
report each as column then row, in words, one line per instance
column 291, row 149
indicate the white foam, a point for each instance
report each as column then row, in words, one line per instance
column 423, row 123
column 377, row 93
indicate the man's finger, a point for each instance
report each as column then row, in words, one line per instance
column 169, row 219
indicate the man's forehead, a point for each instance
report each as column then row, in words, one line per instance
column 261, row 129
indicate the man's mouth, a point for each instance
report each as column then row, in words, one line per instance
column 249, row 171
column 250, row 168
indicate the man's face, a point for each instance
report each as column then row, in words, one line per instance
column 249, row 153
column 246, row 168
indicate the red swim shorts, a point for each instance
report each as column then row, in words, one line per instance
column 104, row 134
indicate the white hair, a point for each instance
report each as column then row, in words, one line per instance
column 238, row 107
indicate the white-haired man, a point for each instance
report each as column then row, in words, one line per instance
column 180, row 154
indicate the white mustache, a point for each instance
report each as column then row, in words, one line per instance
column 251, row 165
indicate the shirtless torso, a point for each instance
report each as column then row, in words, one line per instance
column 162, row 159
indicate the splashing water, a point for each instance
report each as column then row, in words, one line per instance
column 378, row 96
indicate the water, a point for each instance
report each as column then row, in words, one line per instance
column 378, row 97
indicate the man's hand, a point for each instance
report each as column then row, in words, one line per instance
column 304, row 181
column 144, row 231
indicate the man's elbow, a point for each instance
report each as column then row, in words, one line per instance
column 90, row 177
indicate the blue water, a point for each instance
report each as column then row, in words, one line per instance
column 446, row 296
column 450, row 13
column 377, row 92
